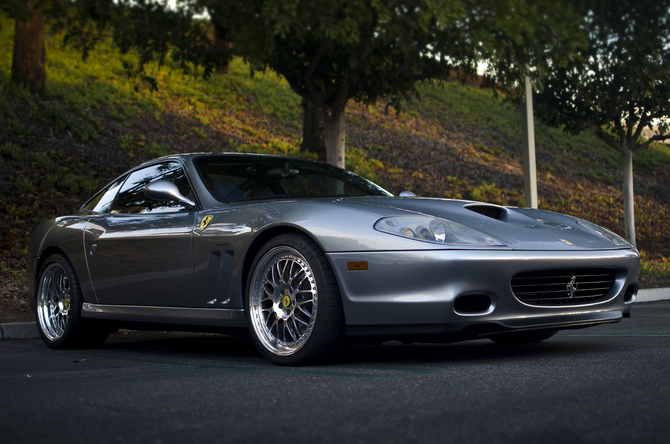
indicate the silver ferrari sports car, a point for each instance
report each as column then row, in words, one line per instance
column 303, row 256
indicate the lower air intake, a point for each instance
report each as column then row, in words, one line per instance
column 563, row 287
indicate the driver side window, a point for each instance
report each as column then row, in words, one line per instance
column 132, row 200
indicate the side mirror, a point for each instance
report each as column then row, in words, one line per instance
column 407, row 194
column 163, row 190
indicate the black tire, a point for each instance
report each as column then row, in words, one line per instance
column 519, row 338
column 58, row 302
column 292, row 303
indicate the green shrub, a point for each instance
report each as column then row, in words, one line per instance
column 357, row 160
column 26, row 185
column 200, row 132
column 12, row 151
column 485, row 192
column 42, row 161
column 658, row 269
column 157, row 150
column 65, row 121
column 75, row 184
column 7, row 112
column 656, row 155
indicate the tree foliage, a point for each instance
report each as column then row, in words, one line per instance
column 334, row 51
column 15, row 9
column 152, row 28
column 619, row 84
column 526, row 38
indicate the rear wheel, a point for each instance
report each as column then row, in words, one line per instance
column 528, row 337
column 293, row 305
column 58, row 307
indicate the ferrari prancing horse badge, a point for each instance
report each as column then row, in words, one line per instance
column 204, row 222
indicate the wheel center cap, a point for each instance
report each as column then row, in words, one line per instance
column 283, row 303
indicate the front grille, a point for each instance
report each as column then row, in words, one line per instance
column 486, row 210
column 554, row 287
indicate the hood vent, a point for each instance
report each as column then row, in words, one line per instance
column 487, row 210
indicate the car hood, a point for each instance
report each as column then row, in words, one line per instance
column 518, row 228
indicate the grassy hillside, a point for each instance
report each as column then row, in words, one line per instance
column 458, row 141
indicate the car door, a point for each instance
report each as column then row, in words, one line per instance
column 140, row 252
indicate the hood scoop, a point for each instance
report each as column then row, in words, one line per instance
column 492, row 211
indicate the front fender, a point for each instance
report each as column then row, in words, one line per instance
column 35, row 243
column 63, row 235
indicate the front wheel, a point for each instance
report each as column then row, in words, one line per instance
column 58, row 307
column 293, row 306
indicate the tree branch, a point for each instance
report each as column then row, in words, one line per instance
column 629, row 122
column 644, row 120
column 401, row 68
column 638, row 148
column 609, row 140
column 433, row 74
column 341, row 100
column 620, row 131
column 656, row 138
column 295, row 87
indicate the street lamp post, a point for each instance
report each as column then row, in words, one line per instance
column 528, row 147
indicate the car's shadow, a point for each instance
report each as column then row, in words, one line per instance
column 477, row 351
column 229, row 349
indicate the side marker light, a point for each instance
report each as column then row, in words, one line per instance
column 357, row 266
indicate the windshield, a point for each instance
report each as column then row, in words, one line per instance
column 237, row 178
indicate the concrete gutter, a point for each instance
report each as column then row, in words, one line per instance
column 28, row 330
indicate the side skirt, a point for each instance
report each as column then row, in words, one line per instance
column 210, row 317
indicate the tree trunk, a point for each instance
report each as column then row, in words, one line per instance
column 629, row 196
column 221, row 42
column 28, row 62
column 333, row 123
column 313, row 138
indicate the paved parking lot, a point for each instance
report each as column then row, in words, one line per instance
column 604, row 384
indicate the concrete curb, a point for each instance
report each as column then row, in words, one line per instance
column 28, row 330
column 653, row 295
column 19, row 330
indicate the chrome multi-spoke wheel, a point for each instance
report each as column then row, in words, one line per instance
column 54, row 301
column 58, row 304
column 283, row 300
column 293, row 305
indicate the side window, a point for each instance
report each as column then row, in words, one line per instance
column 132, row 200
column 101, row 202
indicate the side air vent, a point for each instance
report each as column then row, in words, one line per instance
column 487, row 210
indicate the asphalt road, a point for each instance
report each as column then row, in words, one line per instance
column 603, row 384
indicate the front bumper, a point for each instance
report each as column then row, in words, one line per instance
column 413, row 292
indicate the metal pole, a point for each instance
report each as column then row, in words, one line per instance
column 528, row 148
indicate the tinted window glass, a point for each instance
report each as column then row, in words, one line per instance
column 235, row 178
column 131, row 197
column 101, row 202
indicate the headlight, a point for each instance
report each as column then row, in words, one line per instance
column 431, row 229
column 604, row 232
